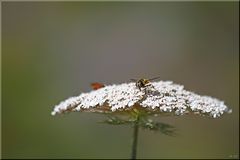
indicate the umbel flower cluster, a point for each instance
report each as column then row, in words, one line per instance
column 157, row 98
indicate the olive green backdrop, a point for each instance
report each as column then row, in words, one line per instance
column 54, row 50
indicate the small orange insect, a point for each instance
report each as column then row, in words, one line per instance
column 97, row 85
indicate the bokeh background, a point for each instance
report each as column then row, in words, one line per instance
column 54, row 50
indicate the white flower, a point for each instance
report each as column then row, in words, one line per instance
column 162, row 96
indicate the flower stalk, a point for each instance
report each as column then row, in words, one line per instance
column 135, row 138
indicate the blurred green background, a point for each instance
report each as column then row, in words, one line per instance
column 54, row 50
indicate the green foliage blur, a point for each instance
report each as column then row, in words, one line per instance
column 54, row 50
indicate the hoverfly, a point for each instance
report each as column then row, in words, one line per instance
column 97, row 85
column 142, row 83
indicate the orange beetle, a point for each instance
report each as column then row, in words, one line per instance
column 97, row 85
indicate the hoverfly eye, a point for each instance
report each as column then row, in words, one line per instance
column 146, row 81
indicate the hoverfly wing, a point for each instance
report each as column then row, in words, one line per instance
column 154, row 78
column 97, row 85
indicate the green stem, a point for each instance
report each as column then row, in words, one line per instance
column 135, row 138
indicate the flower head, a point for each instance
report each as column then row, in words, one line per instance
column 159, row 97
